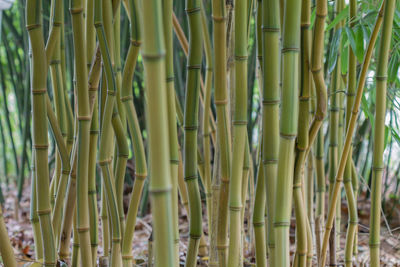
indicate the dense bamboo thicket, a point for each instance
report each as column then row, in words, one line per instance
column 240, row 117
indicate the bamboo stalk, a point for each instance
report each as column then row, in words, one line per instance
column 172, row 122
column 206, row 122
column 190, row 129
column 83, row 118
column 134, row 129
column 223, row 124
column 40, row 139
column 379, row 132
column 271, row 77
column 347, row 180
column 302, row 138
column 6, row 250
column 239, row 134
column 160, row 182
column 33, row 216
column 259, row 223
column 288, row 130
column 349, row 134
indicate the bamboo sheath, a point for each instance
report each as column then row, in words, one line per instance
column 160, row 182
column 349, row 134
column 379, row 132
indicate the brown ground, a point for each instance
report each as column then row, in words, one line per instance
column 20, row 233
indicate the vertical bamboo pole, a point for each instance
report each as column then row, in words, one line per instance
column 172, row 123
column 33, row 216
column 190, row 129
column 206, row 122
column 347, row 179
column 288, row 129
column 160, row 182
column 239, row 133
column 134, row 129
column 83, row 117
column 348, row 139
column 109, row 117
column 223, row 124
column 302, row 138
column 40, row 139
column 259, row 224
column 270, row 101
column 379, row 132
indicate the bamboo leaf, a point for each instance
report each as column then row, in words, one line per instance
column 344, row 60
column 366, row 110
column 333, row 53
column 352, row 40
column 387, row 135
column 312, row 19
column 343, row 14
column 393, row 68
column 359, row 38
column 395, row 135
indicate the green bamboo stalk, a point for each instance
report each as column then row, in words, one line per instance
column 288, row 130
column 92, row 53
column 223, row 123
column 6, row 250
column 68, row 213
column 317, row 69
column 206, row 122
column 172, row 123
column 270, row 100
column 247, row 175
column 83, row 117
column 259, row 224
column 258, row 219
column 33, row 216
column 110, row 117
column 134, row 129
column 190, row 129
column 348, row 139
column 354, row 182
column 347, row 180
column 320, row 191
column 333, row 145
column 302, row 138
column 160, row 182
column 40, row 139
column 239, row 133
column 379, row 132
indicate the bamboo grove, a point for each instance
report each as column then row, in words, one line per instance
column 243, row 115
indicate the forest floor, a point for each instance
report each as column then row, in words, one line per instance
column 20, row 233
